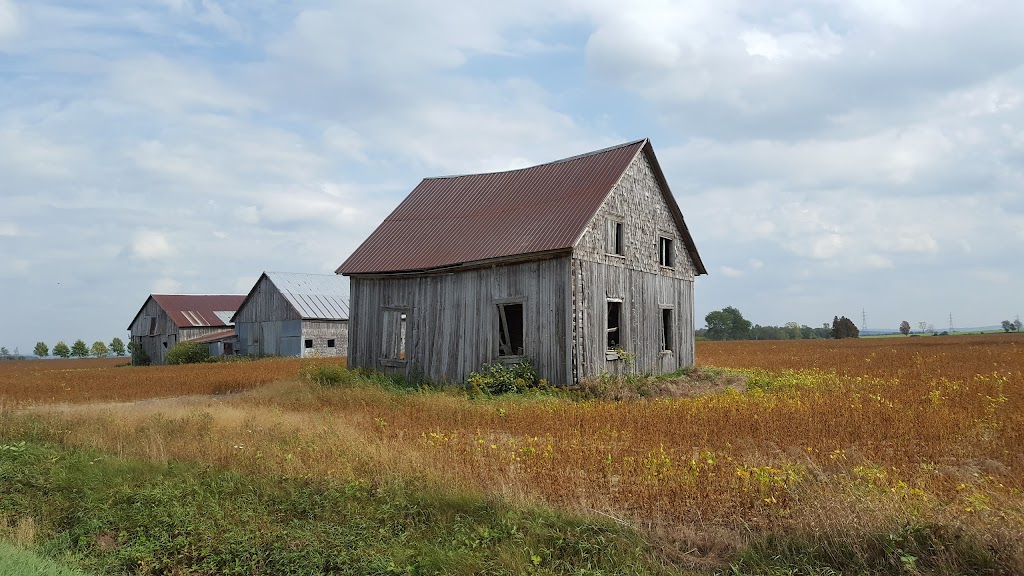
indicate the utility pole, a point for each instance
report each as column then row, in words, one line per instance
column 863, row 319
column 950, row 322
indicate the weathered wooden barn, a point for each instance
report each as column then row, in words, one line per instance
column 166, row 319
column 287, row 314
column 582, row 266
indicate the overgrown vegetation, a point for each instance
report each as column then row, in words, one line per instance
column 500, row 378
column 187, row 353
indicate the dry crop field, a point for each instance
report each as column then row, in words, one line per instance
column 899, row 443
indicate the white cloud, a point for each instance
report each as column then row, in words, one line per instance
column 165, row 285
column 730, row 272
column 151, row 245
column 8, row 229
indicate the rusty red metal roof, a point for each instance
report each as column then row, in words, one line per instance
column 192, row 310
column 460, row 220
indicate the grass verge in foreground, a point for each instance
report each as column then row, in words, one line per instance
column 122, row 516
column 17, row 562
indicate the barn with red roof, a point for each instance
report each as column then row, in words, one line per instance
column 582, row 266
column 166, row 319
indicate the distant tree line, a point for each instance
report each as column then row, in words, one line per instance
column 729, row 324
column 79, row 349
column 1013, row 326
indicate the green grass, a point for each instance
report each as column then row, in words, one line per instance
column 121, row 516
column 18, row 562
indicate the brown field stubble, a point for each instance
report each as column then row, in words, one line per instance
column 848, row 437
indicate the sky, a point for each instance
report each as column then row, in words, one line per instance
column 861, row 158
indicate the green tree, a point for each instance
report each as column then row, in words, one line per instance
column 79, row 349
column 1017, row 324
column 117, row 346
column 905, row 328
column 61, row 349
column 99, row 349
column 727, row 324
column 4, row 353
column 41, row 350
column 1007, row 325
column 843, row 327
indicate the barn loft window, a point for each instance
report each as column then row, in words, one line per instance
column 616, row 240
column 510, row 329
column 666, row 330
column 665, row 254
column 152, row 325
column 393, row 334
column 309, row 343
column 614, row 324
column 330, row 342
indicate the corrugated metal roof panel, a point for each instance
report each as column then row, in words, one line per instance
column 461, row 219
column 187, row 310
column 216, row 336
column 314, row 296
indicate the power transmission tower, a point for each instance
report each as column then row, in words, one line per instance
column 950, row 322
column 863, row 319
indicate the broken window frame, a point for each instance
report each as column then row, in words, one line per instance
column 502, row 328
column 394, row 334
column 616, row 240
column 668, row 324
column 666, row 253
column 613, row 304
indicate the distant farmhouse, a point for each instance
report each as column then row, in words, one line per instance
column 288, row 314
column 582, row 266
column 166, row 319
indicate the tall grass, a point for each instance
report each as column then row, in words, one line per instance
column 893, row 449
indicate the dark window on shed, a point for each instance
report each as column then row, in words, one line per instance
column 666, row 329
column 309, row 343
column 510, row 329
column 152, row 325
column 393, row 334
column 614, row 324
column 665, row 254
column 330, row 342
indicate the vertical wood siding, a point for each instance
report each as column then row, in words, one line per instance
column 267, row 324
column 166, row 332
column 635, row 277
column 452, row 325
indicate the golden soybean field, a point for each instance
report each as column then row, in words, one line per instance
column 830, row 440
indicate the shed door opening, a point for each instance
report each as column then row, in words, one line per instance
column 614, row 318
column 393, row 335
column 510, row 329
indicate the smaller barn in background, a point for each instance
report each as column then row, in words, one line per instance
column 166, row 319
column 289, row 314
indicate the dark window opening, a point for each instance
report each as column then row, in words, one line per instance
column 510, row 329
column 666, row 329
column 165, row 344
column 665, row 255
column 229, row 348
column 152, row 325
column 330, row 342
column 393, row 335
column 309, row 343
column 617, row 241
column 614, row 317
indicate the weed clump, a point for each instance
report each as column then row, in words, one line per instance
column 188, row 353
column 501, row 378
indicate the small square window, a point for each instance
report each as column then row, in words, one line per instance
column 309, row 343
column 330, row 342
column 665, row 254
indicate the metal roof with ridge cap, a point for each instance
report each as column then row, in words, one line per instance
column 312, row 296
column 465, row 221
